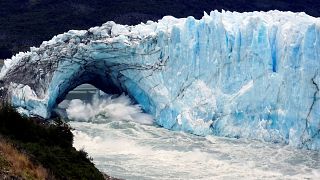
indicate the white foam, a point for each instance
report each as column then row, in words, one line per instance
column 133, row 151
column 106, row 108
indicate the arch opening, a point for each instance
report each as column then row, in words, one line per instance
column 89, row 104
column 83, row 92
column 77, row 82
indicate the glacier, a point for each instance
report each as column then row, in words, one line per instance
column 243, row 75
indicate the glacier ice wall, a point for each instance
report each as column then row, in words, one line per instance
column 253, row 75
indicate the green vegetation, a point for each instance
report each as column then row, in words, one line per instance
column 49, row 144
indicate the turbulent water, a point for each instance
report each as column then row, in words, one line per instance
column 133, row 151
column 130, row 149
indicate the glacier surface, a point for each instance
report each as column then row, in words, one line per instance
column 253, row 75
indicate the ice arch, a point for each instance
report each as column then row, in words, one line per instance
column 250, row 75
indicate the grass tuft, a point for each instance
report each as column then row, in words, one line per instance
column 19, row 163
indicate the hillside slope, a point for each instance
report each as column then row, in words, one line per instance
column 28, row 144
column 16, row 165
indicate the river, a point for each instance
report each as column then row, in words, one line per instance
column 129, row 149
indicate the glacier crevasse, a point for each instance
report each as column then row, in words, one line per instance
column 253, row 75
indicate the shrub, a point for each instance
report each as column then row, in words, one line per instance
column 27, row 129
column 49, row 143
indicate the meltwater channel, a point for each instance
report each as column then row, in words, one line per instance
column 124, row 143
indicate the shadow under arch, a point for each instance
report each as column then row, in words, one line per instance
column 96, row 83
